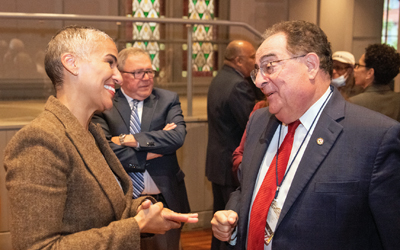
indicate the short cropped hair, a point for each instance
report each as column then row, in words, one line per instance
column 385, row 61
column 125, row 53
column 305, row 37
column 78, row 40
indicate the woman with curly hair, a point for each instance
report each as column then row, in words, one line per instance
column 374, row 72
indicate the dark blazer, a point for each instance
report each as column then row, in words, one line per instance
column 160, row 108
column 230, row 100
column 62, row 187
column 345, row 193
column 381, row 99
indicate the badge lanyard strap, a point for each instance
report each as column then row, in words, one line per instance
column 298, row 150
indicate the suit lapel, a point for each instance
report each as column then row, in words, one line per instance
column 85, row 145
column 122, row 106
column 328, row 129
column 149, row 106
column 259, row 152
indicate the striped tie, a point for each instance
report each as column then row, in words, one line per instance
column 134, row 127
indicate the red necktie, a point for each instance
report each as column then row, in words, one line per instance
column 266, row 193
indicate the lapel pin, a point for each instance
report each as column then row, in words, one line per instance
column 320, row 141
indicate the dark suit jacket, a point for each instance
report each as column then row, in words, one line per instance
column 381, row 99
column 345, row 193
column 62, row 187
column 160, row 108
column 230, row 100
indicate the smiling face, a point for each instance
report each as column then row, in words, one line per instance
column 289, row 90
column 138, row 89
column 99, row 74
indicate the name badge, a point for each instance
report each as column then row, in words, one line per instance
column 272, row 220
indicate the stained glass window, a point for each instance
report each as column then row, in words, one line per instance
column 147, row 35
column 390, row 22
column 204, row 51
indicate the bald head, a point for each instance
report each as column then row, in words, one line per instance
column 240, row 54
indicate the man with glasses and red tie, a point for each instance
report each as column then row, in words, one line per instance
column 317, row 172
column 145, row 127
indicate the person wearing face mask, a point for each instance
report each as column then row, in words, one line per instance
column 342, row 76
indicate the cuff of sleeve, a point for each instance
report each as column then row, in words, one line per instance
column 233, row 239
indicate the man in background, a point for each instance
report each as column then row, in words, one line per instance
column 145, row 127
column 374, row 72
column 342, row 76
column 231, row 97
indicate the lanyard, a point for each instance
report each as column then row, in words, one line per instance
column 278, row 186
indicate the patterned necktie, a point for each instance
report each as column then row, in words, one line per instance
column 266, row 193
column 134, row 127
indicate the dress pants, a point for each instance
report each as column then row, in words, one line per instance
column 168, row 241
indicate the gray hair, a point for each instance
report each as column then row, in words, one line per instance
column 125, row 53
column 78, row 40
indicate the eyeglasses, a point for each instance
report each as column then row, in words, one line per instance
column 357, row 65
column 268, row 68
column 140, row 73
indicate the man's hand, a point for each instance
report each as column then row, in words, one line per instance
column 223, row 224
column 151, row 156
column 157, row 219
column 169, row 126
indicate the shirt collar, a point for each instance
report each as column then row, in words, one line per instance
column 308, row 117
column 129, row 99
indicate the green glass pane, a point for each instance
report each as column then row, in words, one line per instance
column 152, row 1
column 212, row 15
column 152, row 28
column 146, row 43
column 201, row 43
column 194, row 2
column 139, row 1
column 152, row 56
column 207, row 2
column 194, row 28
column 146, row 13
column 200, row 69
column 139, row 27
column 201, row 15
column 194, row 56
column 207, row 28
column 206, row 56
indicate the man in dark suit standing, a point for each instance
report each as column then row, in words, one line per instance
column 231, row 97
column 334, row 182
column 145, row 127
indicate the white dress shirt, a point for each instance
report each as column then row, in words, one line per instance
column 149, row 186
column 306, row 124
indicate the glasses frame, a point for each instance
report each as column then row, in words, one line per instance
column 357, row 65
column 254, row 72
column 139, row 74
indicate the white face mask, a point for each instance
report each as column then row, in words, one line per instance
column 339, row 82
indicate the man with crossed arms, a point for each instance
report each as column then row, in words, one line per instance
column 146, row 144
column 341, row 187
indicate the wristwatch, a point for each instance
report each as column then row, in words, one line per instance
column 122, row 138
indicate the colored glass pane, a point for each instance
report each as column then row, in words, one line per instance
column 203, row 51
column 147, row 35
